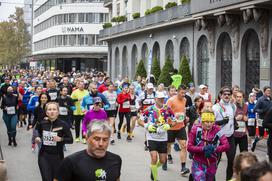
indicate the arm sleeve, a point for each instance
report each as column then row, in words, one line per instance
column 68, row 138
column 31, row 104
column 267, row 123
column 35, row 117
column 84, row 122
column 65, row 170
column 258, row 106
column 191, row 147
column 3, row 105
column 105, row 101
column 224, row 146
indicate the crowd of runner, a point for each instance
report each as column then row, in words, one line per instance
column 93, row 105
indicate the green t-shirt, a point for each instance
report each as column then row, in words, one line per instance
column 78, row 94
column 176, row 80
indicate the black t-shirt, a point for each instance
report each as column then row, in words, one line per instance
column 83, row 167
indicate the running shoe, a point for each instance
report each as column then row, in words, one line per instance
column 164, row 166
column 145, row 147
column 77, row 140
column 176, row 147
column 151, row 176
column 129, row 138
column 118, row 135
column 112, row 142
column 170, row 159
column 255, row 143
column 64, row 148
column 84, row 141
column 184, row 171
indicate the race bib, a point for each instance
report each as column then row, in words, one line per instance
column 126, row 105
column 11, row 110
column 48, row 138
column 260, row 122
column 133, row 108
column 242, row 126
column 251, row 122
column 53, row 95
column 181, row 118
column 63, row 111
column 36, row 104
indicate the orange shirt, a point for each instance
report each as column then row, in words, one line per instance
column 177, row 106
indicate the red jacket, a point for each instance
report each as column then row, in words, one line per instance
column 124, row 100
column 102, row 88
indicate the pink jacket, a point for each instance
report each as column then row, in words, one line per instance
column 197, row 143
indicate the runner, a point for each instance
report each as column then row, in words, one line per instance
column 104, row 86
column 194, row 112
column 53, row 133
column 251, row 123
column 10, row 110
column 133, row 108
column 205, row 142
column 111, row 96
column 156, row 119
column 94, row 163
column 52, row 91
column 96, row 113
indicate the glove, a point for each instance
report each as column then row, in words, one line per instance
column 209, row 150
column 151, row 128
column 166, row 127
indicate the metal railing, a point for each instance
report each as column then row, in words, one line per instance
column 177, row 12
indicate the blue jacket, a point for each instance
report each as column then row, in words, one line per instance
column 88, row 101
column 33, row 102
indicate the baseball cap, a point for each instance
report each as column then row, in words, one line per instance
column 97, row 100
column 202, row 86
column 150, row 86
column 191, row 85
column 160, row 94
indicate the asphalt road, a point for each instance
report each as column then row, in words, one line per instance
column 22, row 162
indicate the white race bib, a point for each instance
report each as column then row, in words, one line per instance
column 242, row 126
column 260, row 122
column 251, row 122
column 11, row 110
column 53, row 95
column 133, row 108
column 36, row 104
column 181, row 118
column 126, row 104
column 63, row 111
column 48, row 138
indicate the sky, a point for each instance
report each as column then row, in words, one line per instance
column 8, row 7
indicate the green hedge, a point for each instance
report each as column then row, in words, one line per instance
column 165, row 77
column 155, row 68
column 107, row 25
column 170, row 5
column 119, row 19
column 184, row 71
column 114, row 19
column 153, row 10
column 185, row 1
column 136, row 15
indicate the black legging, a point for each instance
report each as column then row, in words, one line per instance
column 78, row 119
column 49, row 164
column 242, row 142
column 121, row 119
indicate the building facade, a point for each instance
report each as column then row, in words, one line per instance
column 65, row 34
column 227, row 42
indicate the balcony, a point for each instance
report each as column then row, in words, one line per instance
column 160, row 17
column 107, row 3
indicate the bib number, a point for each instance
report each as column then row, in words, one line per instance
column 63, row 111
column 242, row 126
column 251, row 122
column 180, row 118
column 53, row 95
column 133, row 108
column 48, row 138
column 11, row 110
column 126, row 105
column 260, row 122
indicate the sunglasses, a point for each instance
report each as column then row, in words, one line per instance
column 226, row 94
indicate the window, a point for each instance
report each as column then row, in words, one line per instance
column 72, row 18
column 81, row 17
column 96, row 17
column 118, row 9
column 72, row 40
column 81, row 39
column 65, row 42
column 65, row 18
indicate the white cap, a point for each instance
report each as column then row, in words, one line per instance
column 160, row 94
column 150, row 86
column 202, row 86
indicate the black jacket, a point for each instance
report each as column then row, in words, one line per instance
column 262, row 106
column 9, row 101
column 62, row 130
column 39, row 114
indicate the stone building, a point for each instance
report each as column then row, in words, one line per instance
column 227, row 42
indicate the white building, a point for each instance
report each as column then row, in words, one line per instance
column 65, row 34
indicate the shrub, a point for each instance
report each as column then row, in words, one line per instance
column 107, row 25
column 185, row 1
column 165, row 77
column 184, row 71
column 136, row 15
column 121, row 19
column 156, row 69
column 170, row 5
column 114, row 19
column 141, row 69
column 153, row 10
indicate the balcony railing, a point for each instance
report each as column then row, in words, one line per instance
column 177, row 12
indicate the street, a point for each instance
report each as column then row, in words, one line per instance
column 23, row 166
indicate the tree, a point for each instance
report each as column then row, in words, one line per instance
column 14, row 39
column 156, row 69
column 141, row 69
column 165, row 77
column 184, row 71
